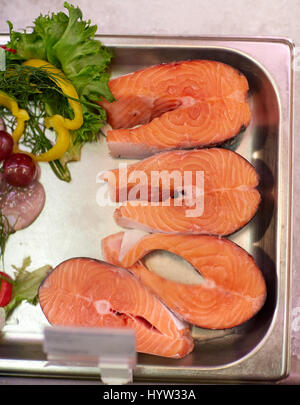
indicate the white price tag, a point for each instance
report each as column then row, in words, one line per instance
column 112, row 350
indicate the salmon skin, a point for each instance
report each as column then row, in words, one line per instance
column 179, row 105
column 232, row 292
column 92, row 293
column 230, row 197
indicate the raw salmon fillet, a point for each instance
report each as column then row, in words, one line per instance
column 87, row 292
column 178, row 105
column 233, row 289
column 230, row 196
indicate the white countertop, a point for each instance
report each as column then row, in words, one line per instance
column 279, row 18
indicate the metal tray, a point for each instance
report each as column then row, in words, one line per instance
column 72, row 224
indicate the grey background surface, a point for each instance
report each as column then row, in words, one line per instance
column 280, row 18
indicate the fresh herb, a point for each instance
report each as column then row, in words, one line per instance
column 25, row 285
column 67, row 42
column 35, row 90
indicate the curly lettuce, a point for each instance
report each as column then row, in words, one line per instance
column 25, row 287
column 68, row 42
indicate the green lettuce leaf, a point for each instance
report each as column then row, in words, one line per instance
column 26, row 285
column 28, row 46
column 49, row 30
column 83, row 59
column 68, row 42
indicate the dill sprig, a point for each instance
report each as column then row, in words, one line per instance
column 25, row 82
column 36, row 91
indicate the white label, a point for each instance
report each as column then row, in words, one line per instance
column 107, row 348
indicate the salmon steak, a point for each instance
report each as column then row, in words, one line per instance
column 232, row 289
column 228, row 192
column 177, row 105
column 92, row 293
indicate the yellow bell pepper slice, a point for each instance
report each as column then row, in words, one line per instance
column 62, row 143
column 67, row 88
column 17, row 112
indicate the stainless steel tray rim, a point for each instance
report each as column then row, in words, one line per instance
column 244, row 38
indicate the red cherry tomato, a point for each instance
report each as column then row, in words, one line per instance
column 5, row 290
column 6, row 145
column 19, row 170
